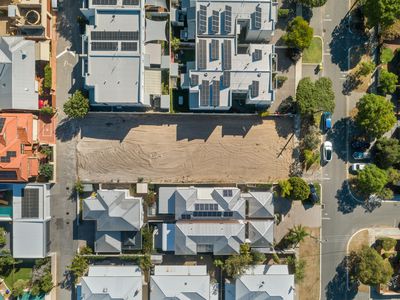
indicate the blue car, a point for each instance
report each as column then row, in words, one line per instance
column 327, row 117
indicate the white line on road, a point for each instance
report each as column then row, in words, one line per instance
column 326, row 218
column 327, row 20
column 64, row 52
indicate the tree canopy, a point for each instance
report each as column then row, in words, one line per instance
column 315, row 96
column 387, row 82
column 387, row 152
column 371, row 180
column 375, row 115
column 312, row 3
column 77, row 105
column 299, row 34
column 381, row 12
column 300, row 189
column 372, row 269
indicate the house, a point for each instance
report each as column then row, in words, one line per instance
column 31, row 220
column 215, row 220
column 119, row 218
column 122, row 54
column 262, row 282
column 111, row 282
column 182, row 282
column 234, row 62
column 17, row 74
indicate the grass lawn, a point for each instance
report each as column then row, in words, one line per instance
column 313, row 54
column 18, row 273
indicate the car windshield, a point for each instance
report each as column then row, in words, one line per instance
column 328, row 154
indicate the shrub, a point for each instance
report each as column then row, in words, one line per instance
column 386, row 194
column 147, row 236
column 386, row 55
column 311, row 139
column 46, row 150
column 77, row 106
column 264, row 114
column 283, row 12
column 78, row 187
column 150, row 198
column 366, row 68
column 236, row 265
column 301, row 190
column 310, row 158
column 276, row 258
column 280, row 80
column 46, row 170
column 218, row 263
column 47, row 110
column 47, row 77
column 298, row 266
column 145, row 262
column 285, row 188
column 86, row 250
column 3, row 238
column 18, row 287
column 387, row 243
column 387, row 82
column 78, row 267
column 257, row 257
column 175, row 44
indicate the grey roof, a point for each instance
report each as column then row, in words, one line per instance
column 265, row 283
column 17, row 73
column 114, row 210
column 261, row 233
column 225, row 237
column 112, row 283
column 260, row 204
column 108, row 242
column 180, row 282
column 155, row 30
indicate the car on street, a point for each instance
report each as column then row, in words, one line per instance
column 361, row 155
column 327, row 121
column 313, row 194
column 327, row 151
column 360, row 144
column 357, row 167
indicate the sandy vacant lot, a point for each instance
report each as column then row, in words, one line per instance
column 191, row 149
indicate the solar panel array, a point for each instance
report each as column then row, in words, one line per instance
column 226, row 79
column 215, row 21
column 257, row 18
column 206, row 206
column 114, row 35
column 30, row 204
column 227, row 61
column 215, row 93
column 257, row 55
column 227, row 193
column 130, row 2
column 194, row 80
column 104, row 46
column 228, row 19
column 129, row 46
column 255, row 86
column 8, row 175
column 207, row 214
column 202, row 54
column 202, row 22
column 104, row 2
column 205, row 93
column 214, row 49
column 228, row 213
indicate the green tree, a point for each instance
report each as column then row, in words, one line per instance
column 145, row 262
column 386, row 152
column 46, row 170
column 393, row 175
column 381, row 12
column 300, row 188
column 77, row 106
column 387, row 243
column 175, row 44
column 46, row 283
column 147, row 236
column 386, row 55
column 3, row 237
column 365, row 68
column 387, row 82
column 218, row 263
column 18, row 287
column 296, row 235
column 284, row 188
column 371, row 268
column 236, row 265
column 78, row 186
column 47, row 77
column 311, row 139
column 375, row 115
column 386, row 194
column 312, row 3
column 298, row 266
column 299, row 34
column 78, row 266
column 371, row 180
column 257, row 257
column 312, row 97
column 310, row 158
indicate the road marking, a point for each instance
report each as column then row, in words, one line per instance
column 327, row 20
column 326, row 218
column 327, row 53
column 64, row 52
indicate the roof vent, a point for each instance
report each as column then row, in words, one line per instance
column 105, row 290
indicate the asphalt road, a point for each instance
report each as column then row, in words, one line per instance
column 342, row 216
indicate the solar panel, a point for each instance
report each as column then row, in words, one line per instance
column 129, row 46
column 104, row 46
column 255, row 86
column 227, row 61
column 2, row 121
column 228, row 214
column 205, row 93
column 114, row 35
column 215, row 21
column 228, row 19
column 30, row 204
column 8, row 175
column 130, row 2
column 202, row 21
column 227, row 193
column 194, row 80
column 202, row 54
column 214, row 49
column 226, row 79
column 257, row 55
column 104, row 2
column 257, row 18
column 11, row 153
column 215, row 93
column 5, row 159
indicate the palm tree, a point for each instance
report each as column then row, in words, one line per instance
column 296, row 235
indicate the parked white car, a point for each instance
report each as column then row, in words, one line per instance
column 327, row 151
column 357, row 167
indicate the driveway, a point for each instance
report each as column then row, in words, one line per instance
column 184, row 148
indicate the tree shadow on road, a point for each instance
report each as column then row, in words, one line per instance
column 337, row 135
column 67, row 129
column 346, row 203
column 337, row 287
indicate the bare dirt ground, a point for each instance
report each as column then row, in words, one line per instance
column 309, row 250
column 190, row 148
